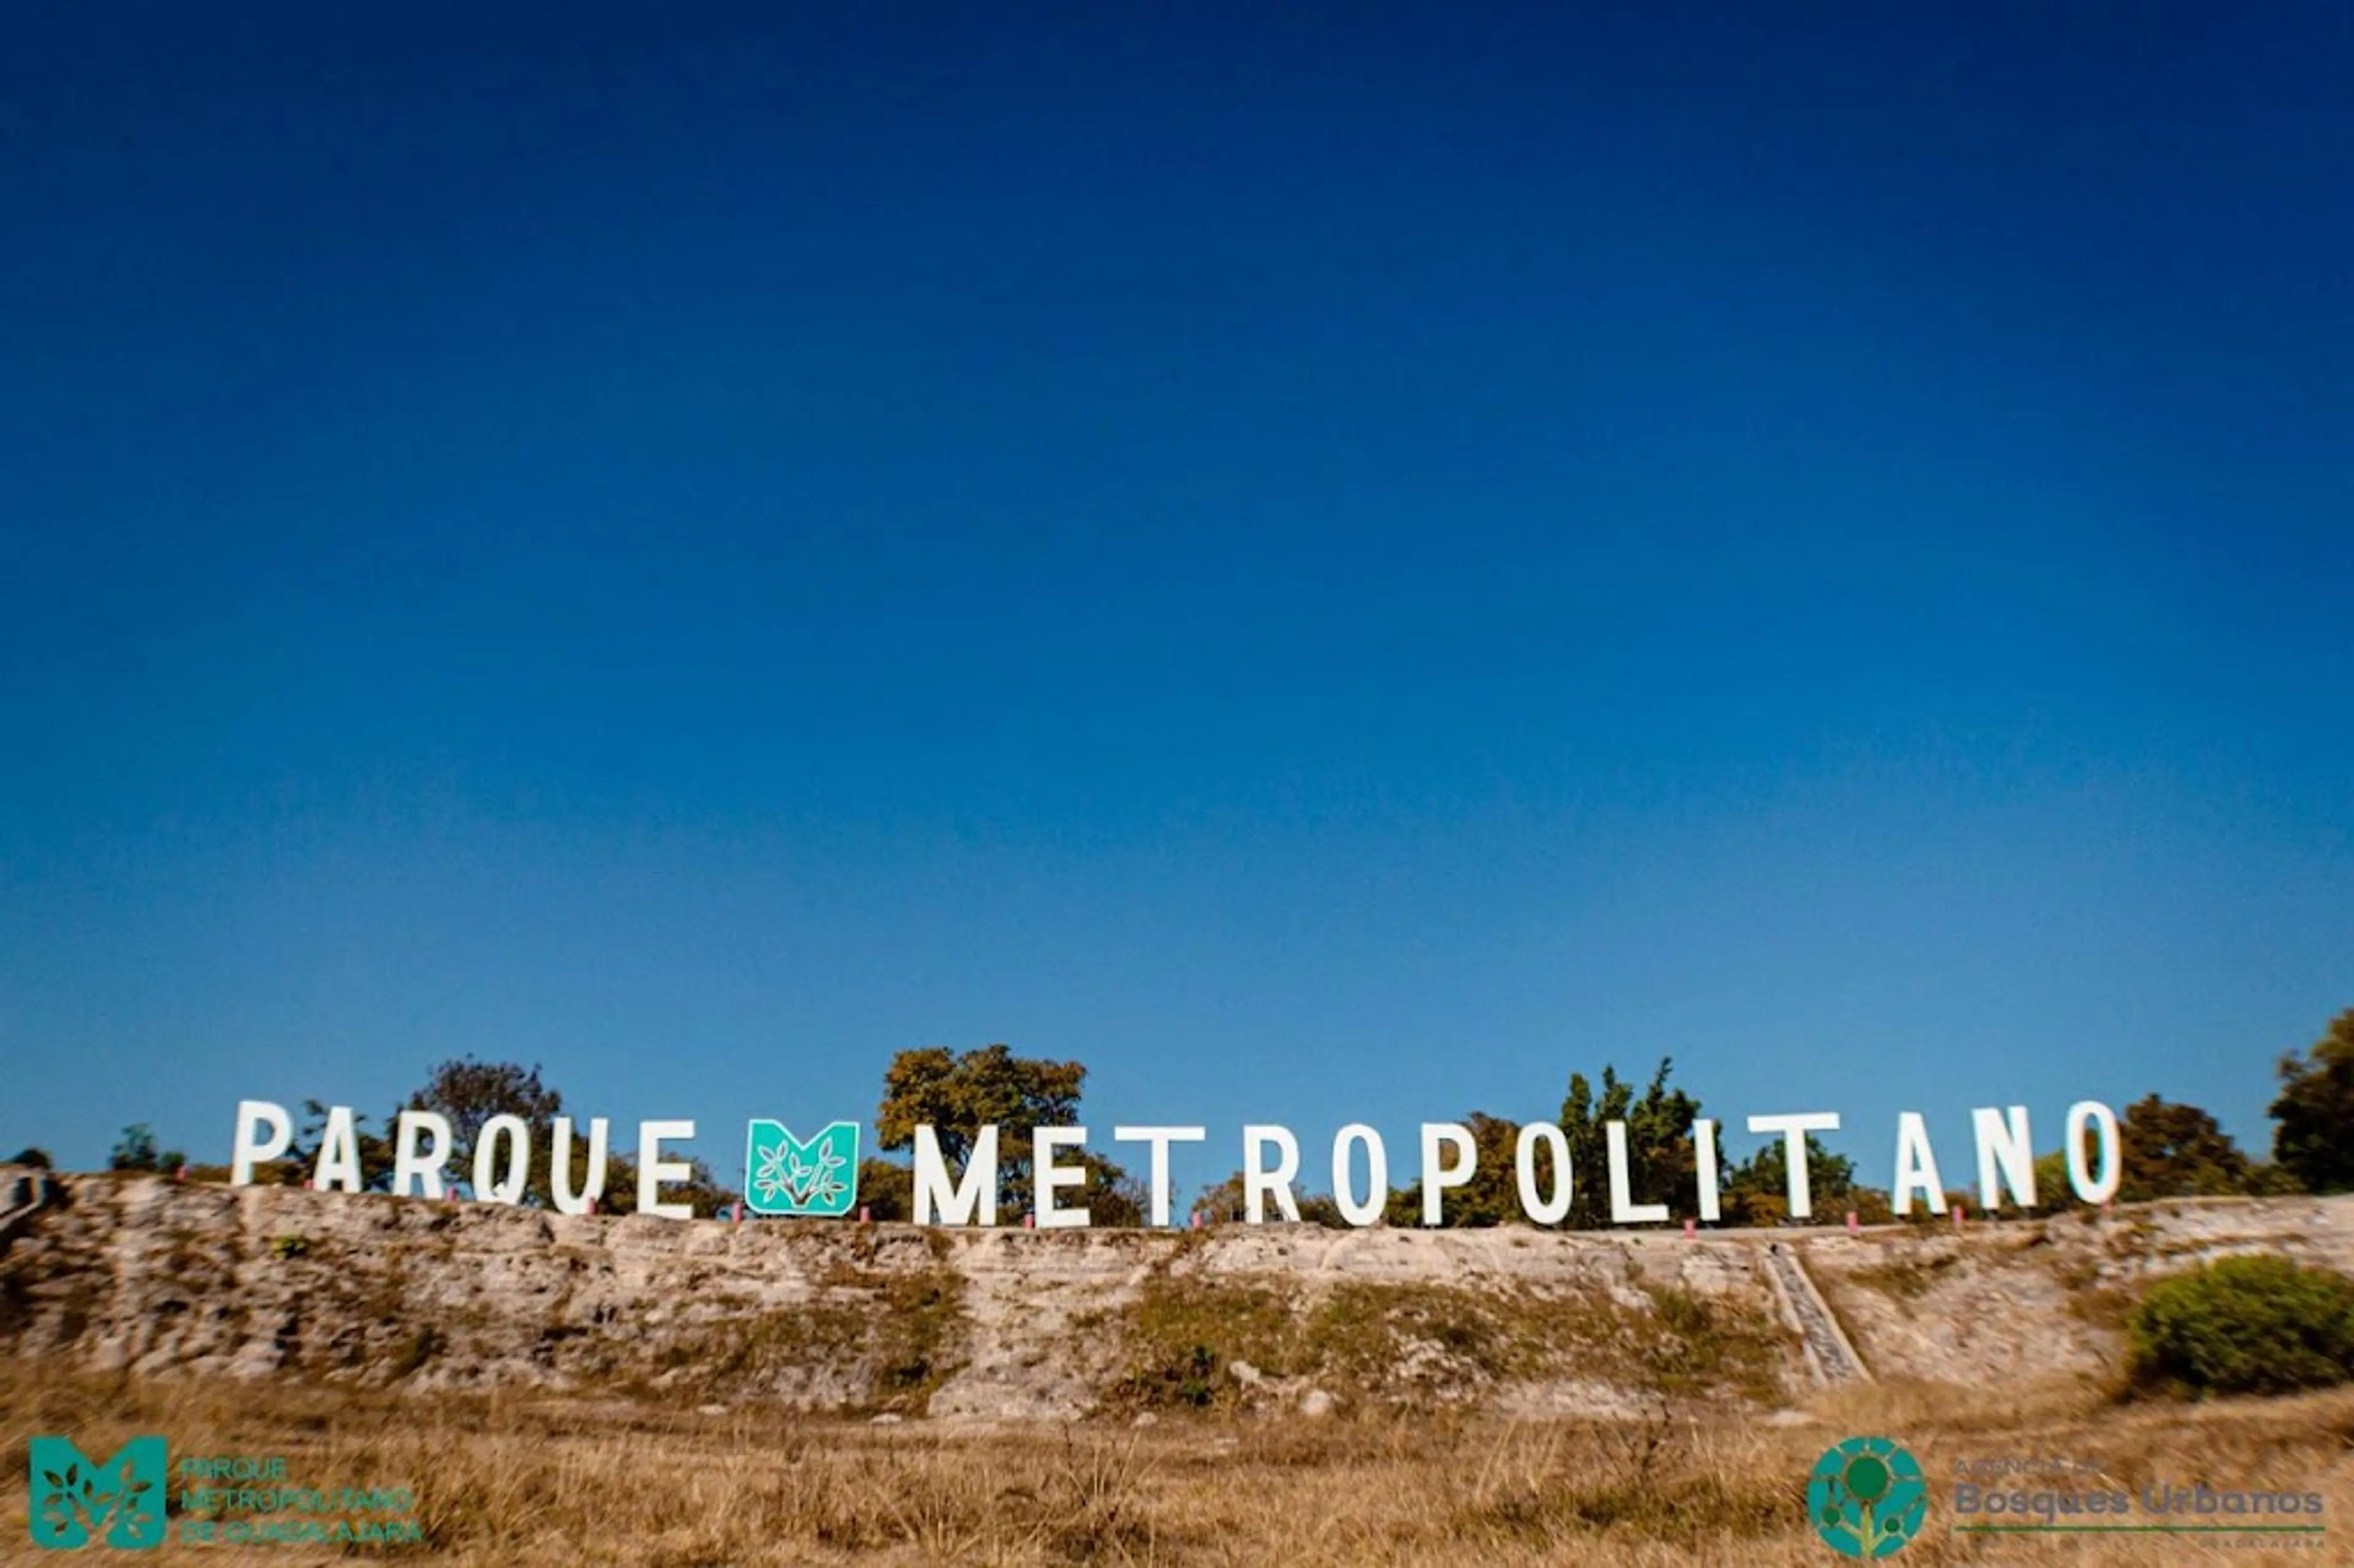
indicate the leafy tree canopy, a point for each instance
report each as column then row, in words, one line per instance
column 1660, row 1164
column 469, row 1093
column 1758, row 1190
column 957, row 1094
column 2174, row 1151
column 2313, row 1136
column 136, row 1150
column 1492, row 1196
column 1224, row 1204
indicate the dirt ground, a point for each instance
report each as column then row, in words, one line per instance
column 520, row 1482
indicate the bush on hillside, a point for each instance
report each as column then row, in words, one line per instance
column 2245, row 1325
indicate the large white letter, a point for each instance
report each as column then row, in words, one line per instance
column 1704, row 1166
column 1794, row 1128
column 1046, row 1176
column 2004, row 1156
column 1259, row 1182
column 252, row 1115
column 559, row 1173
column 979, row 1190
column 1524, row 1173
column 1436, row 1178
column 1916, row 1166
column 1377, row 1174
column 2113, row 1166
column 517, row 1132
column 1160, row 1138
column 654, row 1169
column 408, row 1163
column 1624, row 1210
column 339, row 1153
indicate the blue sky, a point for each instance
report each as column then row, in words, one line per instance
column 1333, row 565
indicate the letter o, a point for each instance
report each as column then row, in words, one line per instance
column 1377, row 1174
column 2111, row 1163
column 1541, row 1210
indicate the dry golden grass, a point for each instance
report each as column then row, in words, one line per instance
column 520, row 1482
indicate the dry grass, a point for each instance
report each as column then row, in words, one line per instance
column 1418, row 1345
column 523, row 1482
column 1907, row 1279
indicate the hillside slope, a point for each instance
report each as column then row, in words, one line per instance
column 154, row 1275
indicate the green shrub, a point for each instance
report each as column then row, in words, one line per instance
column 2245, row 1325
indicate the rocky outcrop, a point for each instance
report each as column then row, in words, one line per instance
column 2012, row 1302
column 156, row 1276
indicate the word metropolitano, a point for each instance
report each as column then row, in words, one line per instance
column 790, row 1176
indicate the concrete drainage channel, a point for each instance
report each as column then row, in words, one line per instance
column 1829, row 1356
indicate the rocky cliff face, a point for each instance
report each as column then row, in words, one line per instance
column 2013, row 1302
column 157, row 1277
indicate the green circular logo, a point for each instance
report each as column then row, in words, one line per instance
column 1867, row 1497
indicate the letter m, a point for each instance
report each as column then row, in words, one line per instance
column 956, row 1204
column 73, row 1501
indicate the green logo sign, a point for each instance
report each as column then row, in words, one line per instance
column 75, row 1502
column 1867, row 1497
column 785, row 1176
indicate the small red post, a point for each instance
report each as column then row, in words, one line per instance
column 180, row 1173
column 308, row 1186
column 738, row 1207
column 1692, row 1229
column 592, row 1205
column 1854, row 1225
column 866, row 1214
column 1029, row 1222
column 1197, row 1219
column 1958, row 1209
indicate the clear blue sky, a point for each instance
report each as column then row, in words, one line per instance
column 1333, row 565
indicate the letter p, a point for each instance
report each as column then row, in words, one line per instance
column 251, row 1117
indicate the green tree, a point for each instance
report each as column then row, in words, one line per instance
column 38, row 1159
column 702, row 1191
column 2174, row 1151
column 2313, row 1136
column 1492, row 1195
column 468, row 1093
column 886, row 1189
column 1222, row 1204
column 1112, row 1197
column 1660, row 1164
column 374, row 1150
column 136, row 1150
column 1758, row 1190
column 2053, row 1190
column 2271, row 1178
column 957, row 1094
